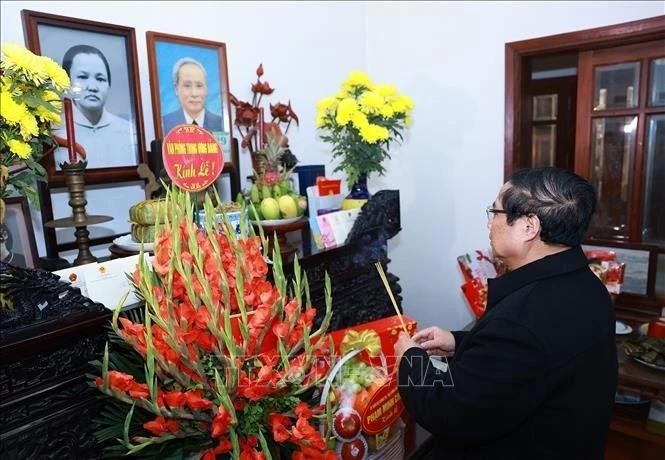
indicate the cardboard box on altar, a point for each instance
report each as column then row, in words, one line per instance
column 383, row 407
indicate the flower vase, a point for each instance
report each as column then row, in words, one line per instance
column 358, row 195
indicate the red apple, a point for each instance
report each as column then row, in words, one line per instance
column 346, row 424
column 353, row 450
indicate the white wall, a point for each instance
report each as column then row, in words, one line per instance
column 448, row 56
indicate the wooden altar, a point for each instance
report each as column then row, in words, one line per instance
column 52, row 333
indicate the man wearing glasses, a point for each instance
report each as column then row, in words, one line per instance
column 536, row 376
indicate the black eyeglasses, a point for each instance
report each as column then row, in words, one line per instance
column 490, row 211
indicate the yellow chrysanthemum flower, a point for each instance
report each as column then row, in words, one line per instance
column 374, row 133
column 386, row 111
column 320, row 120
column 408, row 121
column 342, row 94
column 402, row 104
column 29, row 127
column 359, row 120
column 371, row 102
column 345, row 110
column 20, row 148
column 56, row 73
column 357, row 78
column 326, row 105
column 53, row 98
column 47, row 115
column 10, row 110
column 386, row 90
column 17, row 57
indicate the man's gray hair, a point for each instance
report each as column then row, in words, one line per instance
column 181, row 62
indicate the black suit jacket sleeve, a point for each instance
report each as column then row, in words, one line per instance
column 496, row 384
column 459, row 336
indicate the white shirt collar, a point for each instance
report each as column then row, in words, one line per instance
column 199, row 120
column 81, row 120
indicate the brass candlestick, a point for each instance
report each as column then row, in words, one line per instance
column 74, row 179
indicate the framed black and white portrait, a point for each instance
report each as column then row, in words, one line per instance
column 17, row 236
column 101, row 62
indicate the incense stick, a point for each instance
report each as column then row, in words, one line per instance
column 384, row 278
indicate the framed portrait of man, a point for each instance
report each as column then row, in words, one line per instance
column 190, row 85
column 101, row 62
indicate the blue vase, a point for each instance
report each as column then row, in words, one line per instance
column 358, row 195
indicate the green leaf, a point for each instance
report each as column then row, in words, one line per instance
column 125, row 428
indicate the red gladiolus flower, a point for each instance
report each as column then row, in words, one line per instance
column 120, row 381
column 307, row 317
column 305, row 434
column 302, row 410
column 139, row 390
column 308, row 453
column 269, row 358
column 175, row 399
column 224, row 446
column 201, row 318
column 259, row 320
column 279, row 424
column 221, row 422
column 161, row 425
column 206, row 341
column 131, row 329
column 281, row 329
column 295, row 335
column 187, row 259
column 136, row 277
column 196, row 401
column 249, row 453
column 291, row 308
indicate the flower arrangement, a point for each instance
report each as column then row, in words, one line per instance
column 361, row 121
column 31, row 90
column 271, row 192
column 225, row 362
column 254, row 131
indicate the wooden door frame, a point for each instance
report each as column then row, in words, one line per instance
column 601, row 37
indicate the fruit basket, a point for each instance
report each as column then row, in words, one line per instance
column 271, row 195
column 367, row 421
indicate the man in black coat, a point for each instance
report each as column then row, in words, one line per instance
column 536, row 376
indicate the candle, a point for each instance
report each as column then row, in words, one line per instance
column 69, row 125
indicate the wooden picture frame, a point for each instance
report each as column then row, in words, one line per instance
column 103, row 66
column 205, row 91
column 17, row 235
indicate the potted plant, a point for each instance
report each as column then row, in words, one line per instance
column 361, row 121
